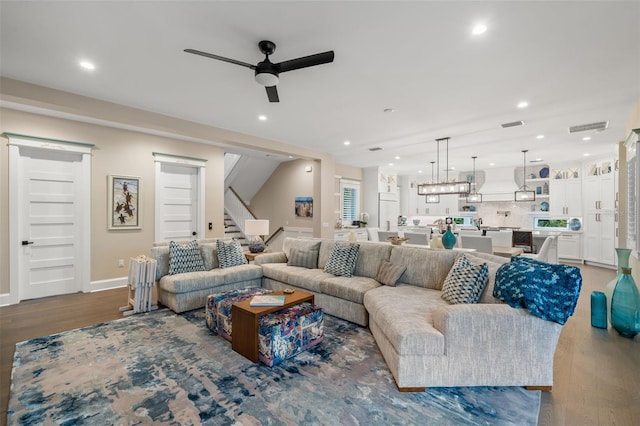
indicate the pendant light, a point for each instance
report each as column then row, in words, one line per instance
column 441, row 188
column 524, row 193
column 474, row 196
column 431, row 198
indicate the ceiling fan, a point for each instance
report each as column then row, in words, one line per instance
column 267, row 72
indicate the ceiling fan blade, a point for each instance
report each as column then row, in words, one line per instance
column 305, row 61
column 272, row 94
column 220, row 58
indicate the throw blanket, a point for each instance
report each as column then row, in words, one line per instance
column 547, row 290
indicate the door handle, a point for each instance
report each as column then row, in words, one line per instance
column 26, row 243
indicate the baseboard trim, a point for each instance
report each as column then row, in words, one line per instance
column 6, row 299
column 540, row 388
column 107, row 284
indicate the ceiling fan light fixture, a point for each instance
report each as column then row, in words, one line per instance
column 267, row 79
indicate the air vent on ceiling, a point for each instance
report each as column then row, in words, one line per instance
column 598, row 127
column 375, row 149
column 512, row 124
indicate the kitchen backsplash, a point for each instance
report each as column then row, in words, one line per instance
column 520, row 214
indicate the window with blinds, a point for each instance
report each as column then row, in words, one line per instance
column 349, row 200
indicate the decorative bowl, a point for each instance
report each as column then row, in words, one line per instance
column 575, row 224
column 544, row 172
column 544, row 206
column 397, row 241
column 416, row 222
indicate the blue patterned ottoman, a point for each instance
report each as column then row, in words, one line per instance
column 287, row 332
column 218, row 308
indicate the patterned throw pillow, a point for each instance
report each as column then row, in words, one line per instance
column 342, row 259
column 305, row 258
column 465, row 281
column 389, row 273
column 184, row 258
column 549, row 291
column 230, row 254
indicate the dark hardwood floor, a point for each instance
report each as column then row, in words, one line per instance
column 596, row 372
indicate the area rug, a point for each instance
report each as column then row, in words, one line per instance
column 164, row 368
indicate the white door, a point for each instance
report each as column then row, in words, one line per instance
column 49, row 216
column 178, row 205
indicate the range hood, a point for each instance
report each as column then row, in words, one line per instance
column 499, row 184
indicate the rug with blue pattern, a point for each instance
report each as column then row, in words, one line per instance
column 163, row 368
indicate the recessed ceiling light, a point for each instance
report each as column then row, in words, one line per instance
column 262, row 117
column 419, row 171
column 586, row 138
column 347, row 143
column 492, row 164
column 87, row 65
column 479, row 29
column 523, row 104
column 540, row 137
column 586, row 154
column 391, row 164
column 397, row 157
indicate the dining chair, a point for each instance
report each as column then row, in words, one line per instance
column 523, row 240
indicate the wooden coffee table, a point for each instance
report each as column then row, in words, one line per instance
column 245, row 319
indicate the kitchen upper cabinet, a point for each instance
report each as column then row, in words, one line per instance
column 448, row 206
column 565, row 192
column 599, row 191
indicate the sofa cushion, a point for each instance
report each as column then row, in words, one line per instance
column 425, row 267
column 493, row 263
column 342, row 260
column 209, row 253
column 389, row 273
column 230, row 254
column 184, row 258
column 299, row 243
column 370, row 257
column 308, row 279
column 549, row 291
column 306, row 258
column 348, row 288
column 194, row 281
column 465, row 281
column 405, row 315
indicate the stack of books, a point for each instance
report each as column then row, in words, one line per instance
column 267, row 300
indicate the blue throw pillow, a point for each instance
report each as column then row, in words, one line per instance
column 342, row 260
column 230, row 254
column 185, row 258
column 549, row 291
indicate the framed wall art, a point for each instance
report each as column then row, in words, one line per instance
column 304, row 206
column 124, row 202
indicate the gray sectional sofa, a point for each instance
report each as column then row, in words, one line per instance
column 425, row 341
column 186, row 291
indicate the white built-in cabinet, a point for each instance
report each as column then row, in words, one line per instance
column 448, row 206
column 565, row 193
column 570, row 246
column 599, row 212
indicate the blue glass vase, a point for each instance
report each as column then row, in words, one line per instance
column 625, row 305
column 623, row 255
column 448, row 239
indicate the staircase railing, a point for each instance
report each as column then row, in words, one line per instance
column 274, row 235
column 239, row 212
column 237, row 209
